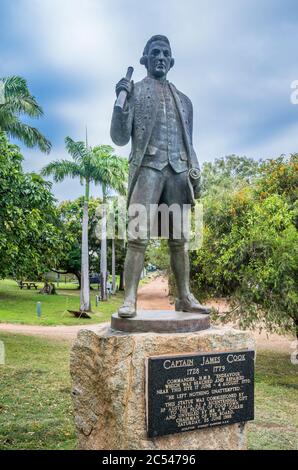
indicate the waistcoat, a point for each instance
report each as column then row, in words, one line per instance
column 166, row 145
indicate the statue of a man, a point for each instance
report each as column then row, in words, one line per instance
column 158, row 118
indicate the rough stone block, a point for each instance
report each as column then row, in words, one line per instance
column 108, row 375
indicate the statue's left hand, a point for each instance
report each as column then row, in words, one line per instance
column 197, row 190
column 195, row 178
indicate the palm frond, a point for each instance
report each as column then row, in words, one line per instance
column 60, row 169
column 30, row 136
column 19, row 98
column 77, row 150
column 22, row 105
column 103, row 150
column 109, row 170
column 14, row 85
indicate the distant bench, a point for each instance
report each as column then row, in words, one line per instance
column 27, row 284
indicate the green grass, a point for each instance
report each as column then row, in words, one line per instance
column 19, row 306
column 276, row 399
column 35, row 404
column 36, row 409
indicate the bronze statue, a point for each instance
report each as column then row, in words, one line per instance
column 163, row 166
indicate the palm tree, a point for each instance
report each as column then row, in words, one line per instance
column 16, row 101
column 85, row 167
column 112, row 175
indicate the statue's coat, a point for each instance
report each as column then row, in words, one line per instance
column 137, row 120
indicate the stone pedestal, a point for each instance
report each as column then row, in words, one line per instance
column 161, row 321
column 107, row 369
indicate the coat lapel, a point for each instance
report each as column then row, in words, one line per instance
column 146, row 108
column 182, row 118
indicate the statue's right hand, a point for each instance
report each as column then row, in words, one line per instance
column 124, row 85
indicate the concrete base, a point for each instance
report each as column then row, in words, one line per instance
column 161, row 321
column 107, row 370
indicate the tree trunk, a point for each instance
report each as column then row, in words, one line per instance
column 296, row 328
column 78, row 276
column 103, row 251
column 114, row 287
column 85, row 288
column 48, row 288
column 121, row 282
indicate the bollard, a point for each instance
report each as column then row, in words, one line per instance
column 38, row 309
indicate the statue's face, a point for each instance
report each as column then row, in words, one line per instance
column 159, row 59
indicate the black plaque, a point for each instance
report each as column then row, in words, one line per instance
column 184, row 393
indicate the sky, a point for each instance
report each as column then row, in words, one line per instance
column 235, row 59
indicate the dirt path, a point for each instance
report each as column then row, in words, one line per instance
column 155, row 295
column 152, row 296
column 68, row 332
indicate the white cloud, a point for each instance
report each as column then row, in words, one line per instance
column 73, row 36
column 282, row 142
column 234, row 59
column 69, row 188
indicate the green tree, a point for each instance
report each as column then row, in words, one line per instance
column 71, row 215
column 84, row 167
column 101, row 166
column 30, row 236
column 280, row 176
column 224, row 172
column 18, row 101
column 112, row 176
column 250, row 247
